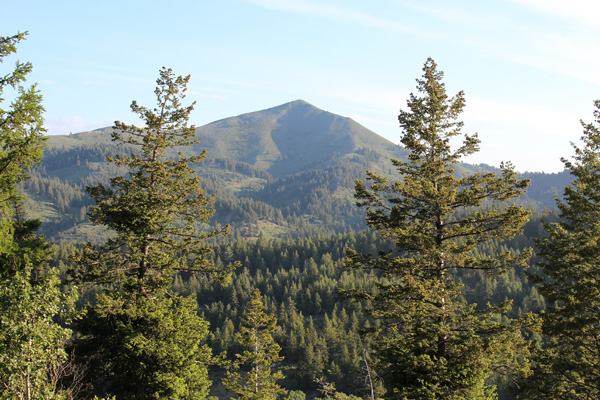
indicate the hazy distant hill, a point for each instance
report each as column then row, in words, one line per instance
column 287, row 170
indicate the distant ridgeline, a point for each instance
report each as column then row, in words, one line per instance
column 286, row 171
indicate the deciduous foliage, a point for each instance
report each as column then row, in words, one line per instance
column 145, row 339
column 568, row 365
column 31, row 343
column 431, row 345
column 256, row 381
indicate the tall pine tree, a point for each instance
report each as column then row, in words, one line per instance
column 432, row 345
column 31, row 343
column 140, row 340
column 568, row 366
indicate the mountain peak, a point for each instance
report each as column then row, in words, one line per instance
column 298, row 102
column 291, row 106
column 289, row 138
column 282, row 140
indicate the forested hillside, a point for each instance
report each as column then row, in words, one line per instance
column 319, row 331
column 292, row 217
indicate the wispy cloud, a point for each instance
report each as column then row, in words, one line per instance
column 537, row 43
column 572, row 52
column 582, row 11
column 472, row 17
column 568, row 55
column 320, row 9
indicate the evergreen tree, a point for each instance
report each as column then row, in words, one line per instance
column 147, row 348
column 431, row 345
column 31, row 343
column 568, row 365
column 261, row 354
column 21, row 131
column 156, row 210
column 147, row 338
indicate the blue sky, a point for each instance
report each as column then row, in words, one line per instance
column 530, row 69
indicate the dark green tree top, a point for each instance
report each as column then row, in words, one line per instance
column 261, row 353
column 431, row 344
column 147, row 349
column 156, row 211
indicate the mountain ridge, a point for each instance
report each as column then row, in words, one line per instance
column 282, row 140
column 288, row 170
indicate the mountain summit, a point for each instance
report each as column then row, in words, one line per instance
column 290, row 138
column 287, row 139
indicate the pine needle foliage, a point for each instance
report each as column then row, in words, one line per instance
column 251, row 375
column 21, row 131
column 430, row 344
column 141, row 340
column 156, row 211
column 568, row 366
column 144, row 349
